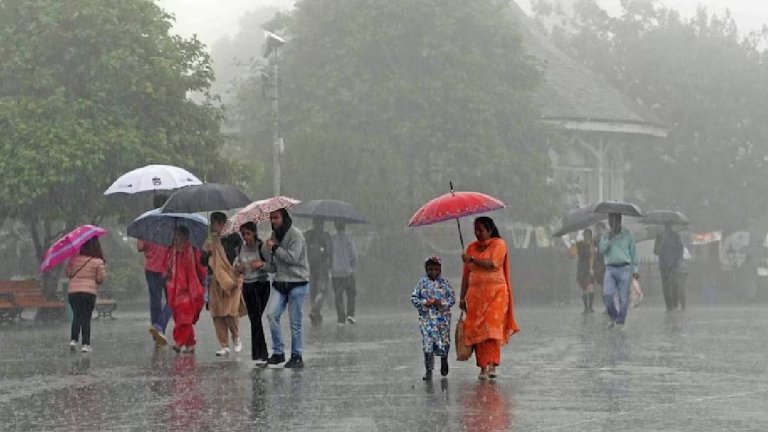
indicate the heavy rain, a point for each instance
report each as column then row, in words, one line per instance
column 400, row 215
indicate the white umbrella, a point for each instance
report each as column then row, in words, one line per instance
column 153, row 178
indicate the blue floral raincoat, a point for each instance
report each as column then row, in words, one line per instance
column 434, row 320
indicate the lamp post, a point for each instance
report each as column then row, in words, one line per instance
column 273, row 43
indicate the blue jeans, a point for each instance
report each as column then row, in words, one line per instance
column 294, row 301
column 616, row 284
column 159, row 313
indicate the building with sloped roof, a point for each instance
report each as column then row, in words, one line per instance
column 598, row 120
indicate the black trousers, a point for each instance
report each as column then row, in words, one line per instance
column 669, row 285
column 341, row 286
column 82, row 310
column 256, row 296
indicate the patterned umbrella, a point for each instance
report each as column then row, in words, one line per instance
column 69, row 245
column 258, row 211
column 454, row 205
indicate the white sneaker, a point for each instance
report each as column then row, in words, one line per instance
column 259, row 363
column 351, row 320
column 73, row 345
column 223, row 352
column 86, row 348
column 238, row 345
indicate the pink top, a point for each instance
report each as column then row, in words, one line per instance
column 155, row 256
column 85, row 274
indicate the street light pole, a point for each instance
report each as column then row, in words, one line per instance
column 273, row 43
column 276, row 150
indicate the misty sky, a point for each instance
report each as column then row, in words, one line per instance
column 212, row 19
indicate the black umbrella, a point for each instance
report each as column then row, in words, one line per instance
column 622, row 208
column 332, row 210
column 579, row 219
column 205, row 198
column 648, row 232
column 665, row 217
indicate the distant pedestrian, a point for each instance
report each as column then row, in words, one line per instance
column 433, row 298
column 252, row 266
column 224, row 292
column 669, row 248
column 343, row 266
column 319, row 254
column 618, row 249
column 598, row 264
column 287, row 254
column 487, row 297
column 584, row 251
column 186, row 275
column 155, row 264
column 86, row 272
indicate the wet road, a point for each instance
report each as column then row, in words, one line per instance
column 702, row 370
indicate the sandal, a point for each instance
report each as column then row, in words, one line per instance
column 483, row 374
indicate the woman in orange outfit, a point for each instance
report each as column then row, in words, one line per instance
column 486, row 296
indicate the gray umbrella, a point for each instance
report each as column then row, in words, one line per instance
column 622, row 208
column 579, row 219
column 205, row 198
column 158, row 227
column 665, row 217
column 333, row 210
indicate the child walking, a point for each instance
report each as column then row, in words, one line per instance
column 433, row 298
column 86, row 272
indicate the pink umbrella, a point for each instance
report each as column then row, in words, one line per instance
column 258, row 211
column 69, row 245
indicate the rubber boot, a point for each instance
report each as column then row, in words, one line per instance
column 429, row 365
column 444, row 365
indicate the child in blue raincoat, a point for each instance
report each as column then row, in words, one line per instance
column 433, row 298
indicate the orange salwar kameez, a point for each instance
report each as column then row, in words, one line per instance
column 490, row 317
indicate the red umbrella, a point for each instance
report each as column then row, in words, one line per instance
column 454, row 205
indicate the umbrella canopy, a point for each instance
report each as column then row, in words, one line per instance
column 648, row 232
column 626, row 209
column 665, row 217
column 205, row 198
column 579, row 219
column 337, row 211
column 69, row 245
column 454, row 205
column 158, row 227
column 258, row 211
column 152, row 178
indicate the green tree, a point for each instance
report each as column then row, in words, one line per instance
column 709, row 83
column 385, row 102
column 89, row 90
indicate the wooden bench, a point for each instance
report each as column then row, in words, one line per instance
column 15, row 296
column 105, row 305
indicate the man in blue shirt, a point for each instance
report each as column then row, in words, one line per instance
column 618, row 249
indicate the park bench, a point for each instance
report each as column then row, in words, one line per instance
column 15, row 296
column 105, row 304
